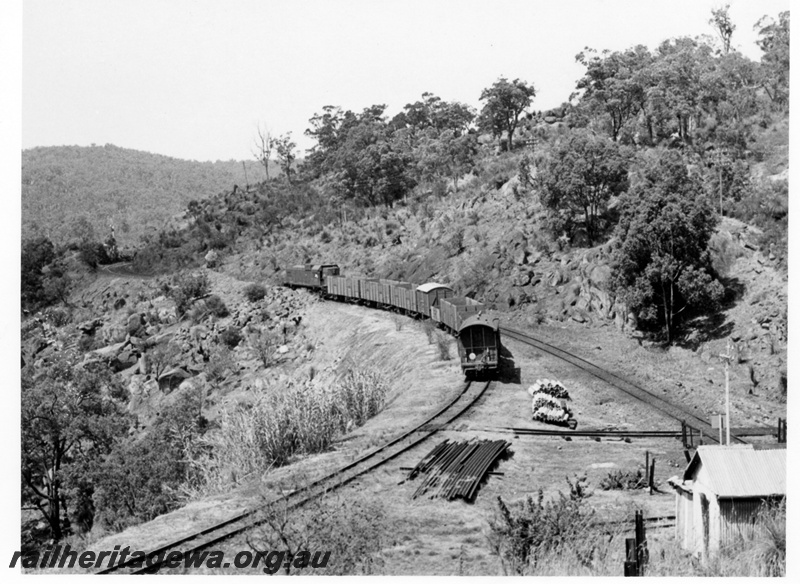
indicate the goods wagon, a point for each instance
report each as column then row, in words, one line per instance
column 478, row 337
column 309, row 276
column 455, row 309
column 403, row 297
column 429, row 294
column 385, row 288
column 368, row 290
column 343, row 287
column 478, row 344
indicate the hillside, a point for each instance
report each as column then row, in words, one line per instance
column 135, row 191
column 648, row 240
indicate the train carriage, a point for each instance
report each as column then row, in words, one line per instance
column 478, row 344
column 385, row 288
column 430, row 294
column 310, row 275
column 478, row 337
column 455, row 309
column 343, row 287
column 368, row 290
column 403, row 297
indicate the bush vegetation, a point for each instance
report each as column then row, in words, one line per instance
column 216, row 306
column 186, row 288
column 522, row 534
column 298, row 419
column 351, row 528
column 254, row 292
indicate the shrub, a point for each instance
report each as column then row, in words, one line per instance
column 264, row 342
column 254, row 292
column 352, row 530
column 443, row 346
column 58, row 316
column 187, row 288
column 220, row 364
column 624, row 480
column 141, row 479
column 231, row 337
column 430, row 330
column 216, row 306
column 523, row 533
column 399, row 321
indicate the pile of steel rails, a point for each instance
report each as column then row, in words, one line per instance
column 455, row 469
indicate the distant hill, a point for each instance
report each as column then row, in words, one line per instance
column 134, row 190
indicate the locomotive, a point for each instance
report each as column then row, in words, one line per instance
column 477, row 335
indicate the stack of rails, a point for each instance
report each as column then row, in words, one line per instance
column 455, row 469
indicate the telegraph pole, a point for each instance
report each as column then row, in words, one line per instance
column 728, row 358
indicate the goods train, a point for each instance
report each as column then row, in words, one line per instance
column 478, row 336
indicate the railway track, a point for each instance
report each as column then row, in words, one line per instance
column 657, row 402
column 203, row 539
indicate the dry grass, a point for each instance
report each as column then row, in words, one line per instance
column 298, row 420
column 443, row 346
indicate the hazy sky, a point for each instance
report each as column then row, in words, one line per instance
column 192, row 78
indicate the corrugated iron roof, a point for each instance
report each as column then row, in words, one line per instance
column 741, row 471
column 431, row 286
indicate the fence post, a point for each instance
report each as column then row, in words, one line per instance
column 630, row 565
column 652, row 473
column 642, row 554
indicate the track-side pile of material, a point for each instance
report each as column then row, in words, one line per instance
column 455, row 469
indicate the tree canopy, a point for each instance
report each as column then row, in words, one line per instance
column 505, row 102
column 662, row 263
column 71, row 417
column 579, row 176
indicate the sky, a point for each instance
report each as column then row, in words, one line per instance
column 194, row 78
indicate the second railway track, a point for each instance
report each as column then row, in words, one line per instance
column 197, row 541
column 659, row 403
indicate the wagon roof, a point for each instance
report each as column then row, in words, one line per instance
column 479, row 320
column 432, row 286
column 741, row 471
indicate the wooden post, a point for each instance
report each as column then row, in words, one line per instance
column 651, row 483
column 728, row 358
column 630, row 564
column 781, row 431
column 642, row 554
column 646, row 466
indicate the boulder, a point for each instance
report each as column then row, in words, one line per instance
column 109, row 351
column 124, row 360
column 90, row 326
column 172, row 378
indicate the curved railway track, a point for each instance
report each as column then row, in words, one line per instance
column 659, row 403
column 199, row 540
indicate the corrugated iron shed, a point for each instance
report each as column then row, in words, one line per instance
column 741, row 471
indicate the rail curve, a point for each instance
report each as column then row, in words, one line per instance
column 199, row 540
column 657, row 402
